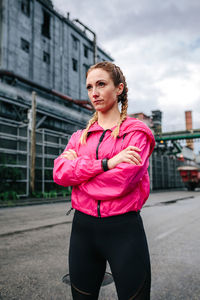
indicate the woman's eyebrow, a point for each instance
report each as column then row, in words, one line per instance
column 99, row 80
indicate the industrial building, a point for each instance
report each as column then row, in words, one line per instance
column 45, row 55
column 45, row 52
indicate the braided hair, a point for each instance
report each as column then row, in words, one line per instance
column 117, row 77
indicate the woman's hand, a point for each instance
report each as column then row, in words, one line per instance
column 128, row 155
column 69, row 154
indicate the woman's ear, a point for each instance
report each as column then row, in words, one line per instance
column 120, row 89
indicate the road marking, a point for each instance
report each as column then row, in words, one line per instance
column 164, row 234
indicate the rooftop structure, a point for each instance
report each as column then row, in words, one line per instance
column 142, row 117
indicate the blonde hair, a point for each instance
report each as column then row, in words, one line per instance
column 117, row 77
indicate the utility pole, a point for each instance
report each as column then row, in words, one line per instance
column 33, row 142
column 94, row 40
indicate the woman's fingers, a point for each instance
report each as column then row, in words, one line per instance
column 135, row 160
column 133, row 148
column 132, row 160
column 69, row 154
column 70, row 151
column 135, row 155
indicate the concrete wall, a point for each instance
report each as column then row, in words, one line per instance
column 45, row 59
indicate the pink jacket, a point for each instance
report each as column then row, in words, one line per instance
column 119, row 190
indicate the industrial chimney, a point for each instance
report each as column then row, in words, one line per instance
column 188, row 124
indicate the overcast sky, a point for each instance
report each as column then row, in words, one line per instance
column 157, row 45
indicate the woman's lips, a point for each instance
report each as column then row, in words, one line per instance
column 98, row 101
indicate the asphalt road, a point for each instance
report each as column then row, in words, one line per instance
column 34, row 249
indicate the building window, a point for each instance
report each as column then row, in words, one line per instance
column 74, row 64
column 46, row 57
column 25, row 45
column 74, row 42
column 86, row 50
column 46, row 24
column 25, row 7
column 85, row 69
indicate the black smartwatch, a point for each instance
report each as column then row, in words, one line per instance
column 104, row 164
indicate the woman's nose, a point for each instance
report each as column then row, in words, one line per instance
column 95, row 93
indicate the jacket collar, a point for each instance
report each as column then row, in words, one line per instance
column 129, row 125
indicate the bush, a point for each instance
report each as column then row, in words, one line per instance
column 9, row 195
column 9, row 177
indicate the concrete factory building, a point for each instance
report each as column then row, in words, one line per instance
column 45, row 47
column 44, row 52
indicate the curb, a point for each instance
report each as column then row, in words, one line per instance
column 41, row 201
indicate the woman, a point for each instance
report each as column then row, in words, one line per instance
column 110, row 185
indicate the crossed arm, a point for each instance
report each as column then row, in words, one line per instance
column 125, row 169
column 129, row 155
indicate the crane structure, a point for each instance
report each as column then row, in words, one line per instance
column 174, row 138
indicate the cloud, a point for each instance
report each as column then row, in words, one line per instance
column 135, row 18
column 157, row 45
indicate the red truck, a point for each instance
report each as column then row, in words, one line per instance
column 190, row 176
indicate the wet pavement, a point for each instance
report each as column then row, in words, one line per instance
column 34, row 249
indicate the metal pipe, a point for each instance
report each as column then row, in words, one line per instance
column 178, row 137
column 94, row 39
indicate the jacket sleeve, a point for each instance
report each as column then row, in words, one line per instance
column 120, row 180
column 73, row 172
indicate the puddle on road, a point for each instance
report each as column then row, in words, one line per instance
column 169, row 202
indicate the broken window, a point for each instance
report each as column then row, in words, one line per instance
column 25, row 45
column 46, row 24
column 74, row 42
column 25, row 7
column 85, row 69
column 46, row 57
column 74, row 64
column 86, row 50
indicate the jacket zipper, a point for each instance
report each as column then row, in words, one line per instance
column 97, row 157
column 69, row 211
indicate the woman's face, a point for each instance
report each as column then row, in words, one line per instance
column 102, row 91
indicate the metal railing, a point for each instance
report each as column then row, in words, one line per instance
column 15, row 155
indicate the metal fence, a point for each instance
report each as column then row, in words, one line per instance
column 15, row 156
column 15, row 160
column 164, row 172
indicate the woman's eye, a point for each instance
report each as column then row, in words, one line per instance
column 101, row 83
column 89, row 87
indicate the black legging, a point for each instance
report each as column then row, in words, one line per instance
column 121, row 241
